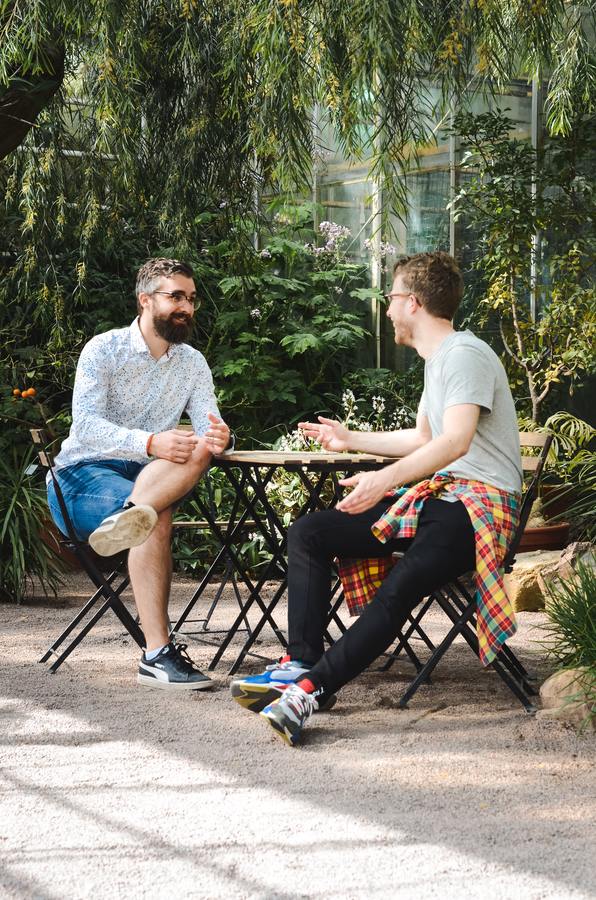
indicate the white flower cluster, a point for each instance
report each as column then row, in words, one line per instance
column 255, row 314
column 265, row 254
column 384, row 248
column 380, row 419
column 335, row 234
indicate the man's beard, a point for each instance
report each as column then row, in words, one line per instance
column 175, row 328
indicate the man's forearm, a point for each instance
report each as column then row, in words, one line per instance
column 387, row 443
column 426, row 460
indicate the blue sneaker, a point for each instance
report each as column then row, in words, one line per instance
column 255, row 692
column 288, row 715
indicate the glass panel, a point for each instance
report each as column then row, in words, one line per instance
column 349, row 203
column 427, row 222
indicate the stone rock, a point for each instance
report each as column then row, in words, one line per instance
column 563, row 569
column 563, row 698
column 523, row 585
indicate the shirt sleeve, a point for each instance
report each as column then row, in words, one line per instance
column 202, row 397
column 422, row 409
column 467, row 378
column 89, row 404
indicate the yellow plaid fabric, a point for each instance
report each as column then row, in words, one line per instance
column 494, row 515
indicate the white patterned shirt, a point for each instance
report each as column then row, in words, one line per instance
column 122, row 395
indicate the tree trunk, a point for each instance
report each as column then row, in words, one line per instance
column 25, row 97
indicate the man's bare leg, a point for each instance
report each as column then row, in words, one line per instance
column 159, row 485
column 150, row 568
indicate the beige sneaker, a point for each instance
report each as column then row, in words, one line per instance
column 123, row 530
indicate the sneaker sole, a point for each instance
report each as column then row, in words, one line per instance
column 148, row 681
column 280, row 731
column 131, row 528
column 255, row 697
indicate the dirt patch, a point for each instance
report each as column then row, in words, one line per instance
column 113, row 790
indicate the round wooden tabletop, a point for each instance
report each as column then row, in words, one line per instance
column 300, row 458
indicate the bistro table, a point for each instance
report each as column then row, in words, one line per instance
column 250, row 474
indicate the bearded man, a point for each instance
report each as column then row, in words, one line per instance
column 125, row 463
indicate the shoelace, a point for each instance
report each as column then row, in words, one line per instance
column 302, row 703
column 181, row 648
column 290, row 664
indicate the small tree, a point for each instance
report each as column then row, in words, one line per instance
column 499, row 204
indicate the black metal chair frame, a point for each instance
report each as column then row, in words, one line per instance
column 457, row 600
column 108, row 587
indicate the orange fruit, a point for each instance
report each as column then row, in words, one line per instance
column 32, row 392
column 16, row 393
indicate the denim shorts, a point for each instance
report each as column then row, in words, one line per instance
column 92, row 491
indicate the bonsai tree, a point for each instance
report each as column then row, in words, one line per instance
column 498, row 201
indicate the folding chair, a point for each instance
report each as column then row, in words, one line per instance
column 108, row 587
column 457, row 599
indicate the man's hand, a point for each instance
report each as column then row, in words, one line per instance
column 217, row 435
column 175, row 445
column 369, row 488
column 330, row 434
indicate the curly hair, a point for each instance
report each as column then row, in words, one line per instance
column 153, row 270
column 436, row 280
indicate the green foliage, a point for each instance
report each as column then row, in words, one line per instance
column 288, row 328
column 571, row 466
column 226, row 89
column 571, row 609
column 23, row 554
column 500, row 204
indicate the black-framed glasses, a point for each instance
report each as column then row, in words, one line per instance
column 179, row 296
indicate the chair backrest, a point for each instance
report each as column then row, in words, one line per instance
column 44, row 441
column 533, row 466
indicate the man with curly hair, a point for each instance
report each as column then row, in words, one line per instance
column 126, row 464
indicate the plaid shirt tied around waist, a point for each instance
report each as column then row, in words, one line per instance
column 494, row 515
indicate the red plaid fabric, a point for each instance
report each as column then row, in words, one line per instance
column 494, row 515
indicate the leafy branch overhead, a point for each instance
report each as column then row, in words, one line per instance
column 228, row 88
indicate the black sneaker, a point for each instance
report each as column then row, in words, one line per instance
column 173, row 670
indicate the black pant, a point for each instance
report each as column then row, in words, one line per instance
column 442, row 549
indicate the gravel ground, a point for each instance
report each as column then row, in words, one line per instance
column 110, row 789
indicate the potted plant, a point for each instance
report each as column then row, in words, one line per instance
column 551, row 518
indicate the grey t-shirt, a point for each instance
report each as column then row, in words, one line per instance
column 464, row 369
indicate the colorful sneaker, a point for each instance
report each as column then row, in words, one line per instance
column 255, row 692
column 125, row 529
column 173, row 670
column 288, row 715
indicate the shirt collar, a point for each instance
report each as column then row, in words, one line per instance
column 136, row 338
column 138, row 343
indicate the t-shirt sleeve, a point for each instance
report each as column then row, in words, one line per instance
column 422, row 408
column 468, row 377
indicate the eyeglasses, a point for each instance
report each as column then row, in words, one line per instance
column 389, row 297
column 179, row 296
column 396, row 294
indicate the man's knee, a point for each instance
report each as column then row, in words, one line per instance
column 303, row 533
column 199, row 459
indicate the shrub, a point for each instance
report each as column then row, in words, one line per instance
column 572, row 628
